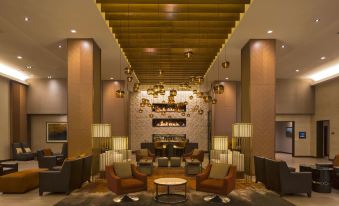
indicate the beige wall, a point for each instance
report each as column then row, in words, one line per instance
column 294, row 96
column 225, row 111
column 282, row 142
column 327, row 108
column 47, row 96
column 302, row 147
column 38, row 131
column 4, row 119
column 115, row 110
column 141, row 123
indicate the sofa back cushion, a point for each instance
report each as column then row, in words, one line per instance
column 27, row 149
column 144, row 152
column 123, row 169
column 219, row 170
column 19, row 150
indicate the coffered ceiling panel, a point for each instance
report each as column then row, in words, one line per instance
column 155, row 34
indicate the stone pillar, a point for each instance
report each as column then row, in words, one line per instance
column 84, row 93
column 258, row 63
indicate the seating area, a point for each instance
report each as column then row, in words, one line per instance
column 169, row 102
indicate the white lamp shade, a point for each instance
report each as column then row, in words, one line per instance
column 120, row 143
column 242, row 130
column 220, row 143
column 101, row 130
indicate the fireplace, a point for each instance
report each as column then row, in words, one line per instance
column 169, row 122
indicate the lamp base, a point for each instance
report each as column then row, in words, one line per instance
column 217, row 199
column 125, row 198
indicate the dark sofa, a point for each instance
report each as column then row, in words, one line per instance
column 7, row 168
column 277, row 176
column 70, row 176
column 24, row 156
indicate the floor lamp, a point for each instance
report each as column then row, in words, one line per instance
column 242, row 134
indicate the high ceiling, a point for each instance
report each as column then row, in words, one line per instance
column 155, row 34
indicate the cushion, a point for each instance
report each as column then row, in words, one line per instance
column 195, row 152
column 144, row 152
column 27, row 149
column 123, row 169
column 131, row 183
column 215, row 184
column 47, row 152
column 19, row 150
column 219, row 170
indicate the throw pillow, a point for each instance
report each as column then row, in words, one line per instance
column 27, row 149
column 48, row 152
column 19, row 151
column 123, row 169
column 144, row 152
column 195, row 152
column 219, row 170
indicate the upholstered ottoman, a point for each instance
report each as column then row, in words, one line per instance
column 192, row 167
column 162, row 162
column 175, row 161
column 20, row 182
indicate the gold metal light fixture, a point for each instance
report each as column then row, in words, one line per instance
column 128, row 70
column 225, row 64
column 207, row 99
column 183, row 114
column 173, row 92
column 151, row 115
column 200, row 111
column 214, row 101
column 188, row 114
column 129, row 78
column 191, row 97
column 199, row 79
column 120, row 93
column 141, row 110
column 188, row 54
column 200, row 94
column 218, row 89
column 150, row 91
column 195, row 91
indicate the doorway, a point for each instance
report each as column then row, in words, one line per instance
column 284, row 137
column 323, row 128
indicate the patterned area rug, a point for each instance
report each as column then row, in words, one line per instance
column 243, row 197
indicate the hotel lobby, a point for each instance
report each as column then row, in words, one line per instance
column 169, row 102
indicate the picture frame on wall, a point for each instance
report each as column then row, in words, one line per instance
column 56, row 132
column 289, row 132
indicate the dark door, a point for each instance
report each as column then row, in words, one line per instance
column 320, row 139
column 326, row 140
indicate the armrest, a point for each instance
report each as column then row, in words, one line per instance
column 138, row 175
column 49, row 174
column 10, row 165
column 301, row 177
column 188, row 154
column 204, row 175
column 110, row 174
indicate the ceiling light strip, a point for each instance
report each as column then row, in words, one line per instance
column 13, row 74
column 326, row 74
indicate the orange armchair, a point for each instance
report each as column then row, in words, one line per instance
column 217, row 186
column 139, row 155
column 123, row 186
column 193, row 155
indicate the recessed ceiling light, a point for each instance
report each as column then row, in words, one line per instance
column 297, row 70
column 73, row 31
column 283, row 46
column 226, row 78
column 269, row 32
column 317, row 20
column 323, row 58
column 49, row 77
column 19, row 57
column 111, row 78
column 28, row 67
column 27, row 18
column 59, row 46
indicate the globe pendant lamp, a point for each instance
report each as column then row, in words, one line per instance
column 218, row 89
column 130, row 79
column 173, row 92
column 128, row 70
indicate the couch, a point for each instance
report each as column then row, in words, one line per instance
column 260, row 171
column 70, row 176
column 47, row 159
column 282, row 180
column 21, row 152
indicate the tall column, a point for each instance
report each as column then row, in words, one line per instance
column 84, row 93
column 258, row 93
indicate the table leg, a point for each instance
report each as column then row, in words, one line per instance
column 185, row 191
column 156, row 191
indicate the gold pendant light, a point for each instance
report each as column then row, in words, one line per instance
column 130, row 79
column 173, row 92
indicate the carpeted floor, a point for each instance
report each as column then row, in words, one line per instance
column 97, row 193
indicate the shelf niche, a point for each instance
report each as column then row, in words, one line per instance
column 164, row 107
column 176, row 122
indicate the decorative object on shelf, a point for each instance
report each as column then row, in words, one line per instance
column 173, row 92
column 242, row 134
column 56, row 132
column 177, row 122
column 159, row 107
column 163, row 113
column 129, row 78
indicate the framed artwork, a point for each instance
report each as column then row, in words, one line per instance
column 56, row 132
column 289, row 132
column 302, row 135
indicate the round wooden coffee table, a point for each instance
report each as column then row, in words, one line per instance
column 170, row 198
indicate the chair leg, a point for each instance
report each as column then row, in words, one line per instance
column 217, row 199
column 125, row 198
column 309, row 194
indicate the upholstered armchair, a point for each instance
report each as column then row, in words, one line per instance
column 260, row 172
column 195, row 154
column 48, row 159
column 221, row 186
column 123, row 185
column 144, row 154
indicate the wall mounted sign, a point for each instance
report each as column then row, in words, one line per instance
column 302, row 135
